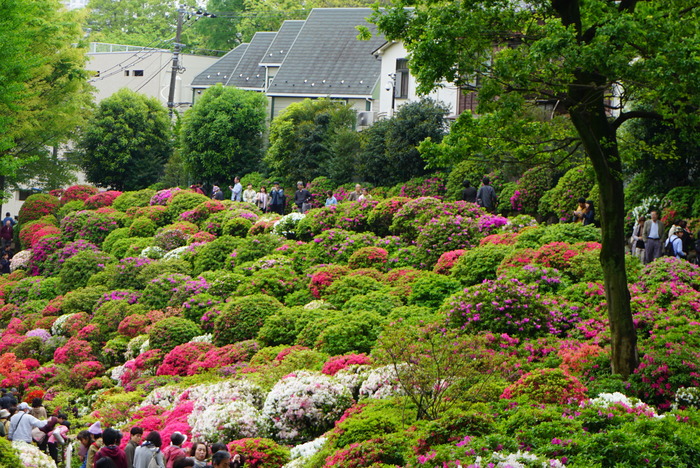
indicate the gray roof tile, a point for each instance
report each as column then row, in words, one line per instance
column 283, row 42
column 327, row 59
column 221, row 70
column 249, row 74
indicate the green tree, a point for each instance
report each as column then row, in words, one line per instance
column 311, row 139
column 127, row 143
column 222, row 134
column 132, row 22
column 573, row 54
column 44, row 95
column 390, row 154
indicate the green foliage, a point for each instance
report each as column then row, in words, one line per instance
column 183, row 201
column 171, row 332
column 113, row 237
column 82, row 299
column 127, row 143
column 8, row 456
column 377, row 301
column 567, row 232
column 76, row 271
column 431, row 289
column 280, row 328
column 221, row 134
column 356, row 332
column 142, row 227
column 132, row 22
column 214, row 255
column 561, row 200
column 133, row 199
column 343, row 289
column 301, row 139
column 390, row 153
column 480, row 263
column 242, row 318
column 467, row 170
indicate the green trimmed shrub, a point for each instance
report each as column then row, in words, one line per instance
column 171, row 332
column 347, row 287
column 430, row 289
column 356, row 332
column 133, row 199
column 280, row 328
column 76, row 271
column 142, row 227
column 214, row 255
column 184, row 201
column 379, row 302
column 242, row 318
column 382, row 215
column 236, row 227
column 113, row 237
column 82, row 299
column 480, row 263
column 71, row 206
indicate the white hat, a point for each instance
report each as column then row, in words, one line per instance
column 23, row 406
column 4, row 413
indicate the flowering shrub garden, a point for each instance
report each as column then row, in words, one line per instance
column 396, row 332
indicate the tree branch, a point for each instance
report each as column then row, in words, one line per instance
column 625, row 116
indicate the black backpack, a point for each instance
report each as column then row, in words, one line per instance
column 669, row 251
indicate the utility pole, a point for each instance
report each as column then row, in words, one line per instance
column 176, row 60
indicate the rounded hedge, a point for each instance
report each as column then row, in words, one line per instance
column 242, row 318
column 171, row 332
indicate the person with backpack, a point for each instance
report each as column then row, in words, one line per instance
column 149, row 455
column 4, row 422
column 111, row 438
column 674, row 245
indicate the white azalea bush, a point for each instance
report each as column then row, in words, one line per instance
column 287, row 225
column 381, row 382
column 515, row 460
column 31, row 456
column 304, row 405
column 631, row 405
column 227, row 421
column 687, row 397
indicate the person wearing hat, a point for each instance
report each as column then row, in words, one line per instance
column 96, row 431
column 174, row 451
column 21, row 424
column 4, row 422
column 217, row 194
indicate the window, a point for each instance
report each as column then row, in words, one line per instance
column 126, row 72
column 402, row 73
column 138, row 72
column 24, row 194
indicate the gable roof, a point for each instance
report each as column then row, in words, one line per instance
column 327, row 59
column 249, row 74
column 221, row 70
column 279, row 48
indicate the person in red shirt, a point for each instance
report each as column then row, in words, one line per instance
column 111, row 438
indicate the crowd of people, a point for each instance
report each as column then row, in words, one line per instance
column 650, row 239
column 97, row 448
column 6, row 247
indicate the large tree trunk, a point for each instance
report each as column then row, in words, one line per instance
column 588, row 116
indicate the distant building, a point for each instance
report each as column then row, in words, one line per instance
column 74, row 4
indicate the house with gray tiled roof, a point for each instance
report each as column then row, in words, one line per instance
column 327, row 60
column 278, row 50
column 249, row 74
column 220, row 71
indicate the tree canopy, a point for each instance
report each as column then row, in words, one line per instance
column 44, row 95
column 132, row 22
column 127, row 143
column 589, row 60
column 222, row 134
column 313, row 138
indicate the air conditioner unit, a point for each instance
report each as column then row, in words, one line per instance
column 365, row 118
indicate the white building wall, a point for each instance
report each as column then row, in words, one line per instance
column 389, row 54
column 145, row 71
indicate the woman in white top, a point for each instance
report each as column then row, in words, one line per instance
column 149, row 450
column 262, row 199
column 637, row 246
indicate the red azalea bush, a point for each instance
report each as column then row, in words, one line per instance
column 78, row 192
column 550, row 386
column 133, row 325
column 447, row 261
column 260, row 453
column 45, row 231
column 29, row 230
column 85, row 371
column 73, row 352
column 372, row 452
column 89, row 225
column 368, row 257
column 338, row 363
column 224, row 356
column 507, row 238
column 178, row 360
column 323, row 277
column 36, row 207
column 201, row 237
column 379, row 220
column 102, row 199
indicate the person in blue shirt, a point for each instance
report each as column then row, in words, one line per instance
column 330, row 199
column 676, row 240
column 236, row 189
column 8, row 217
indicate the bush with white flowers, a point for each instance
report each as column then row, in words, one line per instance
column 515, row 460
column 31, row 456
column 381, row 382
column 304, row 405
column 58, row 327
column 687, row 397
column 286, row 226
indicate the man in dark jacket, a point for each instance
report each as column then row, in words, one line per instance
column 468, row 192
column 134, row 441
column 302, row 197
column 111, row 438
column 6, row 234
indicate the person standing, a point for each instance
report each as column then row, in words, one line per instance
column 249, row 194
column 4, row 422
column 262, row 199
column 468, row 192
column 111, row 449
column 174, row 451
column 21, row 424
column 8, row 217
column 354, row 196
column 6, row 232
column 676, row 241
column 220, row 459
column 38, row 410
column 302, row 197
column 216, row 193
column 236, row 190
column 149, row 450
column 330, row 199
column 654, row 232
column 580, row 210
column 589, row 214
column 136, row 434
column 58, row 437
column 200, row 452
column 486, row 195
column 96, row 445
column 637, row 243
column 277, row 199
